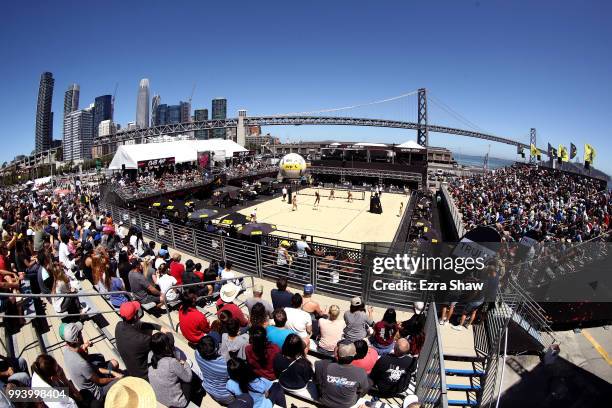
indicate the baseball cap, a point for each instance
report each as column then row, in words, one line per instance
column 129, row 309
column 308, row 289
column 356, row 301
column 163, row 252
column 346, row 350
column 258, row 288
column 70, row 331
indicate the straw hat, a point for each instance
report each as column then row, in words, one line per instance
column 130, row 392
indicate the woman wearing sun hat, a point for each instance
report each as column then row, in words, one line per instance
column 130, row 392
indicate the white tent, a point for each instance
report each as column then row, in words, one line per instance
column 182, row 151
column 410, row 144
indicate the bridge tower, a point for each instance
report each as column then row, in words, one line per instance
column 532, row 141
column 241, row 129
column 422, row 133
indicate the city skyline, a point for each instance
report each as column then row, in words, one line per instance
column 506, row 81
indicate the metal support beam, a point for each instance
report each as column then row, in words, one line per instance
column 532, row 141
column 422, row 131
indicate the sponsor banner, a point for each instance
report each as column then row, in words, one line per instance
column 145, row 164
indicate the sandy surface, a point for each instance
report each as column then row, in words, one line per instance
column 335, row 219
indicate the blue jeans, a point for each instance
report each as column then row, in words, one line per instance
column 382, row 350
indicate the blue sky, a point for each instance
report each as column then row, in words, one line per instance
column 507, row 66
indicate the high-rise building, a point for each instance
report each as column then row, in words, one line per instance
column 219, row 111
column 103, row 110
column 71, row 99
column 154, row 104
column 106, row 128
column 78, row 135
column 142, row 104
column 185, row 111
column 173, row 114
column 44, row 116
column 160, row 114
column 200, row 115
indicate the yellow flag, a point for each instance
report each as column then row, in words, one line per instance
column 589, row 153
column 563, row 153
column 534, row 151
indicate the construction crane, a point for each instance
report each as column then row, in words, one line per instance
column 192, row 92
column 113, row 100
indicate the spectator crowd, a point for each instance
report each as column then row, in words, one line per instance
column 247, row 354
column 545, row 204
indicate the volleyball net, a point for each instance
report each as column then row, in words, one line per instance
column 339, row 193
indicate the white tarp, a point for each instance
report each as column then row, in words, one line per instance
column 182, row 151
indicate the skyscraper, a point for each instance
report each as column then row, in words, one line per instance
column 142, row 104
column 200, row 115
column 185, row 111
column 44, row 116
column 173, row 114
column 160, row 114
column 154, row 104
column 103, row 110
column 78, row 135
column 71, row 99
column 219, row 111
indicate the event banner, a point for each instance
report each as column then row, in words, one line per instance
column 204, row 160
column 146, row 164
column 242, row 155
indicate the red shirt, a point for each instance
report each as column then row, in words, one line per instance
column 235, row 312
column 384, row 335
column 367, row 363
column 266, row 370
column 2, row 263
column 176, row 270
column 193, row 324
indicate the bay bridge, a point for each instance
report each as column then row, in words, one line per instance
column 326, row 117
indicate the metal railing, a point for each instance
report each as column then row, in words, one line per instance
column 333, row 268
column 179, row 288
column 455, row 214
column 65, row 295
column 431, row 375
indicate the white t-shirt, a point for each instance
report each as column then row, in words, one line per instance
column 66, row 402
column 297, row 321
column 301, row 249
column 165, row 282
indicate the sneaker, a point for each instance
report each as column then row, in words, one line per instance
column 85, row 308
column 459, row 328
column 442, row 322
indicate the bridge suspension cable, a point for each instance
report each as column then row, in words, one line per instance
column 445, row 107
column 310, row 113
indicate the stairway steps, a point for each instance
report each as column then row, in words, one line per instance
column 462, row 403
column 464, row 373
column 462, row 387
column 471, row 359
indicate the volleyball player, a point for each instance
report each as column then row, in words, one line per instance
column 349, row 196
column 401, row 209
column 317, row 200
column 294, row 203
column 332, row 195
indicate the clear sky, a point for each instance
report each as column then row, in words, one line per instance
column 507, row 66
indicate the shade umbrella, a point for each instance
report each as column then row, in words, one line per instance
column 202, row 213
column 431, row 235
column 233, row 219
column 161, row 203
column 257, row 228
column 422, row 223
column 176, row 205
